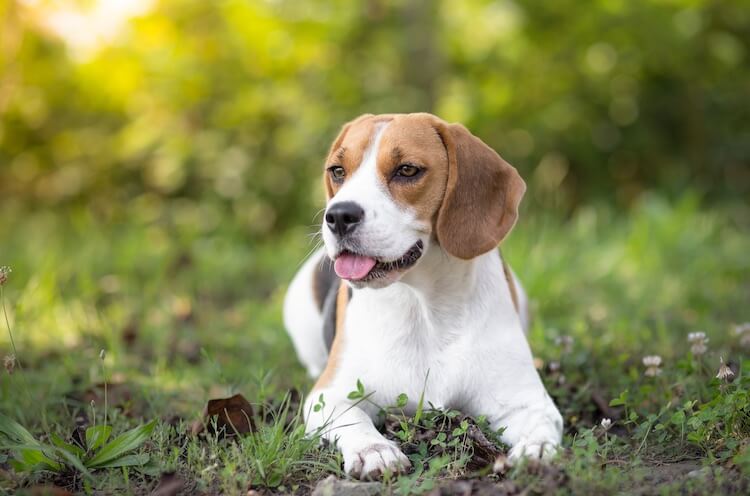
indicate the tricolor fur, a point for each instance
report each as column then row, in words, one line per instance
column 416, row 208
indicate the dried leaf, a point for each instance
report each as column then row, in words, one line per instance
column 233, row 415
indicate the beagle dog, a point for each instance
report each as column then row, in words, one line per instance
column 410, row 294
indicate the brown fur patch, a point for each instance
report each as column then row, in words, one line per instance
column 482, row 195
column 334, row 356
column 412, row 139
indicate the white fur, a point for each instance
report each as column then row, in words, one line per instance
column 446, row 328
column 303, row 320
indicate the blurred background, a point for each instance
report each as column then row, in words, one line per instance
column 227, row 107
column 160, row 160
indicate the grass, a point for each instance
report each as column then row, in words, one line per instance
column 189, row 310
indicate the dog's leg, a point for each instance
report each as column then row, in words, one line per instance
column 531, row 422
column 367, row 454
column 349, row 423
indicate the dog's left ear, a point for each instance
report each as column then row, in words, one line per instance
column 480, row 205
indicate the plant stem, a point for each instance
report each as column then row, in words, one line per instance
column 13, row 347
column 104, row 374
column 10, row 334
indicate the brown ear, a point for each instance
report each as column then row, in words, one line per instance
column 480, row 205
column 336, row 144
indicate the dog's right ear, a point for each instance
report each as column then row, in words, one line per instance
column 335, row 146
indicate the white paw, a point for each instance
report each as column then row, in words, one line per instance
column 532, row 450
column 373, row 460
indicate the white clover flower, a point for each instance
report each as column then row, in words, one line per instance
column 725, row 373
column 652, row 364
column 698, row 341
column 606, row 424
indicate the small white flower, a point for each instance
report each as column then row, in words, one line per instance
column 606, row 424
column 652, row 364
column 725, row 373
column 698, row 341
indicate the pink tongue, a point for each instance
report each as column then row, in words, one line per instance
column 353, row 267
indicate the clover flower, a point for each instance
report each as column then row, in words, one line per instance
column 606, row 424
column 652, row 364
column 743, row 332
column 725, row 373
column 698, row 341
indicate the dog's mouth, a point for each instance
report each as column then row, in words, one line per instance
column 363, row 268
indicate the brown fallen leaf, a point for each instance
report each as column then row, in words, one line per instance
column 169, row 485
column 234, row 415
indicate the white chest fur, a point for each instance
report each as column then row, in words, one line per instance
column 436, row 322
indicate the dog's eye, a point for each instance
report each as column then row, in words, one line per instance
column 337, row 173
column 407, row 170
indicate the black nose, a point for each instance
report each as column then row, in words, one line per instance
column 343, row 218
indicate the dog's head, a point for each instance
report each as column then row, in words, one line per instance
column 398, row 183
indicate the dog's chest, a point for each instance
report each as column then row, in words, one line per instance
column 395, row 344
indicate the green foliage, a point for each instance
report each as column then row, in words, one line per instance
column 229, row 107
column 32, row 455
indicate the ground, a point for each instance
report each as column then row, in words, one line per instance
column 187, row 309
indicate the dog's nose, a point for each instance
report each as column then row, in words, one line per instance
column 343, row 218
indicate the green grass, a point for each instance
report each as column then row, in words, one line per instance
column 188, row 310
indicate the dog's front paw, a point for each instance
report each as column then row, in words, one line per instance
column 532, row 450
column 370, row 461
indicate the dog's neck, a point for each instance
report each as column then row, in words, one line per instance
column 443, row 289
column 439, row 276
